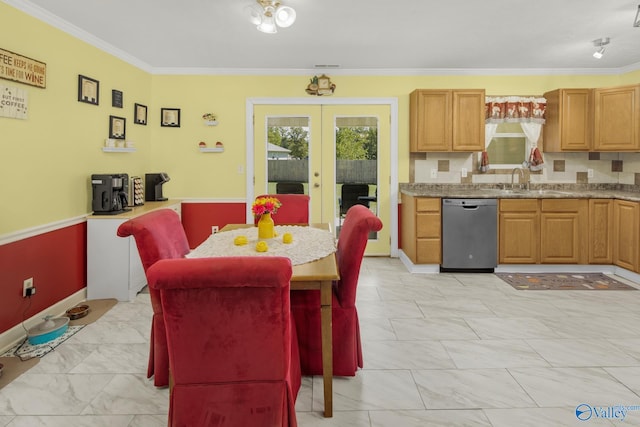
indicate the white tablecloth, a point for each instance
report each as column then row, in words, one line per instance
column 309, row 244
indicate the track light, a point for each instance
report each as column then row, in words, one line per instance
column 271, row 14
column 636, row 22
column 600, row 44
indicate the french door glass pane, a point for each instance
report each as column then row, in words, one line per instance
column 288, row 155
column 356, row 140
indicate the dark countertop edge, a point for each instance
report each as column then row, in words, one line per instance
column 558, row 191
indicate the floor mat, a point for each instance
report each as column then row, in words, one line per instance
column 564, row 281
column 26, row 351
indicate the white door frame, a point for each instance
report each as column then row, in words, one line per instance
column 393, row 166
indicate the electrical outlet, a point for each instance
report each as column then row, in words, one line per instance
column 27, row 287
column 214, row 229
column 589, row 173
column 463, row 172
column 434, row 173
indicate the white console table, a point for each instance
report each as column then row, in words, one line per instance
column 114, row 269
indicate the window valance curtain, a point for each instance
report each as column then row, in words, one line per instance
column 515, row 109
column 528, row 111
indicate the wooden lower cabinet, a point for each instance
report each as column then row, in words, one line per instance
column 421, row 229
column 626, row 219
column 519, row 231
column 543, row 231
column 600, row 231
column 564, row 236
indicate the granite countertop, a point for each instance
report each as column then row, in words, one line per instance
column 537, row 191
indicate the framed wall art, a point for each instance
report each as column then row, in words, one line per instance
column 88, row 90
column 140, row 114
column 117, row 127
column 170, row 117
column 116, row 98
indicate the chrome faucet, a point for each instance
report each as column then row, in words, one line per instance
column 520, row 180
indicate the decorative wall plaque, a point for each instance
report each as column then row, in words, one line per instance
column 22, row 69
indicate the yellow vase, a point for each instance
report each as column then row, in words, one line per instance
column 266, row 227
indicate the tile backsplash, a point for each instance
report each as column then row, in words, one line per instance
column 617, row 168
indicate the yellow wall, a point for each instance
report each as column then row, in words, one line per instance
column 46, row 161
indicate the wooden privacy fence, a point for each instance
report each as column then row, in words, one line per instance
column 352, row 171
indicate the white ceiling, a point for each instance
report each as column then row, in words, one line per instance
column 373, row 36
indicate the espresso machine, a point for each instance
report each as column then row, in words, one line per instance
column 153, row 186
column 110, row 193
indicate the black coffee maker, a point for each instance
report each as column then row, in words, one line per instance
column 110, row 193
column 153, row 186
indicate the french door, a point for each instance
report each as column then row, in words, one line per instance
column 325, row 147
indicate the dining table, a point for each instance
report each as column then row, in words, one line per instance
column 314, row 267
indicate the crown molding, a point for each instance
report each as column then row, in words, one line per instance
column 203, row 71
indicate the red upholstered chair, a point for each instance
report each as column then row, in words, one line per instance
column 294, row 209
column 232, row 344
column 159, row 235
column 305, row 305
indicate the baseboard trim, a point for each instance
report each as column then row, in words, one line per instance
column 16, row 334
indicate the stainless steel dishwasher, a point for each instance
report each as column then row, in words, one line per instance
column 469, row 234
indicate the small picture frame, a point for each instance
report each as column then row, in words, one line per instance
column 117, row 127
column 170, row 117
column 324, row 82
column 116, row 98
column 88, row 90
column 140, row 114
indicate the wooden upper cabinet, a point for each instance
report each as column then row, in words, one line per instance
column 569, row 119
column 617, row 118
column 447, row 120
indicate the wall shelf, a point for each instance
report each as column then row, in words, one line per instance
column 211, row 123
column 212, row 150
column 118, row 150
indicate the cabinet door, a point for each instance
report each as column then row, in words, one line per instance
column 617, row 119
column 519, row 237
column 519, row 231
column 430, row 120
column 626, row 216
column 569, row 120
column 468, row 120
column 563, row 231
column 600, row 231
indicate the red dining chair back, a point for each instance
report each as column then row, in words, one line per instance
column 159, row 235
column 232, row 343
column 305, row 305
column 294, row 209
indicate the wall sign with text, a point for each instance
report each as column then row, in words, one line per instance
column 13, row 102
column 21, row 69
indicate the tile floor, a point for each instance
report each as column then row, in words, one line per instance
column 439, row 350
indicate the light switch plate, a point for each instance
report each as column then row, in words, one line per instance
column 463, row 172
column 589, row 173
column 434, row 173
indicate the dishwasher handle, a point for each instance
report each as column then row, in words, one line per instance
column 470, row 207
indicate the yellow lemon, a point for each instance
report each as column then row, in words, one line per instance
column 240, row 240
column 261, row 246
column 287, row 238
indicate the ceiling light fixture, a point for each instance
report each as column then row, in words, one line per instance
column 271, row 14
column 636, row 22
column 600, row 44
